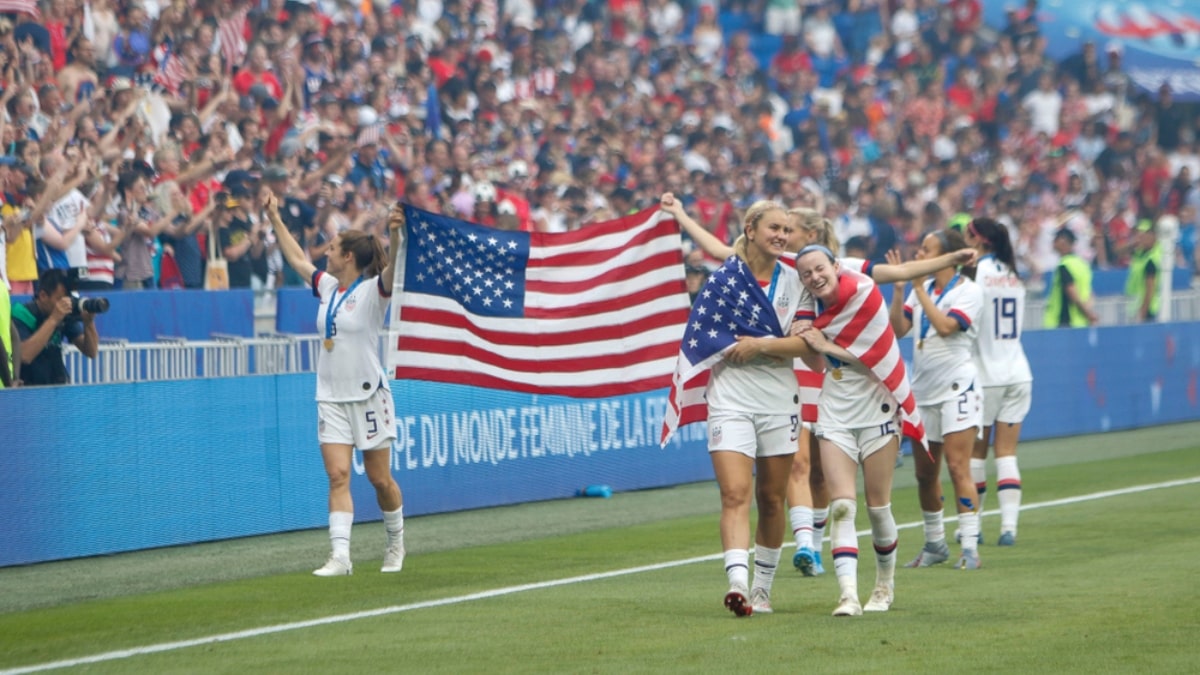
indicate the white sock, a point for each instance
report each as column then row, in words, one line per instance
column 393, row 522
column 737, row 567
column 766, row 560
column 801, row 518
column 1008, row 491
column 968, row 525
column 845, row 545
column 935, row 531
column 820, row 519
column 885, row 537
column 339, row 532
column 979, row 475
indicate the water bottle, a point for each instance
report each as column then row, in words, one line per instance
column 595, row 491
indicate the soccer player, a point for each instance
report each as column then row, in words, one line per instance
column 752, row 418
column 944, row 312
column 859, row 416
column 1003, row 369
column 808, row 497
column 354, row 401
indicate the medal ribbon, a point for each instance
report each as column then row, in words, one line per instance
column 332, row 309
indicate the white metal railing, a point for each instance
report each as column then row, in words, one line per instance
column 171, row 358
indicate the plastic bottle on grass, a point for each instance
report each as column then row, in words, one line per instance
column 595, row 491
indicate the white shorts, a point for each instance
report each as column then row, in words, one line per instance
column 861, row 443
column 753, row 435
column 367, row 424
column 1009, row 404
column 947, row 417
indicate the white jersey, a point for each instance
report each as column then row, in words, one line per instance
column 351, row 371
column 62, row 216
column 855, row 401
column 944, row 367
column 998, row 353
column 763, row 385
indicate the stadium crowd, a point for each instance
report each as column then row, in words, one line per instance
column 138, row 136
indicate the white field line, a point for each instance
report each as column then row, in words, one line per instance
column 485, row 595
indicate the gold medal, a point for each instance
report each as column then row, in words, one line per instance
column 328, row 344
column 921, row 343
column 837, row 374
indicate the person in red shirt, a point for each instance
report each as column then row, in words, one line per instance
column 256, row 72
column 966, row 14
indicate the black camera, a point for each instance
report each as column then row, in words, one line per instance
column 89, row 305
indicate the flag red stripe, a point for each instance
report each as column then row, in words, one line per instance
column 621, row 225
column 574, row 258
column 599, row 333
column 616, row 274
column 577, row 364
column 599, row 390
column 876, row 352
column 810, row 378
column 611, row 304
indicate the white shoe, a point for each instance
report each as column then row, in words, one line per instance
column 335, row 567
column 881, row 599
column 760, row 602
column 848, row 606
column 393, row 557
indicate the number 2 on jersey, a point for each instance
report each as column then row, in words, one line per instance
column 1006, row 318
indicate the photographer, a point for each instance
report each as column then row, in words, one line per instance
column 43, row 323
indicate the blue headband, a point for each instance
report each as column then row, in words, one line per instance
column 814, row 248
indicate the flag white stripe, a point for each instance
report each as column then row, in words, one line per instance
column 629, row 315
column 666, row 335
column 632, row 372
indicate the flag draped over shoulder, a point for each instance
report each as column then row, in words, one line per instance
column 730, row 304
column 591, row 313
column 29, row 7
column 859, row 323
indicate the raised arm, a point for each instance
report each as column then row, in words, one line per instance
column 288, row 246
column 901, row 324
column 706, row 240
column 395, row 236
column 915, row 269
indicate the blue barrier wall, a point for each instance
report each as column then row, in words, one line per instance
column 107, row 468
column 143, row 316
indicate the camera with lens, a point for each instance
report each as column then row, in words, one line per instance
column 93, row 305
column 89, row 305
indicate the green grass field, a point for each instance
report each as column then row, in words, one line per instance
column 634, row 584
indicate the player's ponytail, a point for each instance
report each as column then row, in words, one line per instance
column 369, row 256
column 995, row 237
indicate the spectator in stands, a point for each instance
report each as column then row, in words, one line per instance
column 354, row 401
column 48, row 320
column 1069, row 303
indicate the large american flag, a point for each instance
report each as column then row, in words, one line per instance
column 731, row 304
column 591, row 313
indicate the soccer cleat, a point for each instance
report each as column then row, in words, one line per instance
column 968, row 561
column 737, row 602
column 335, row 567
column 848, row 605
column 932, row 554
column 393, row 557
column 1007, row 539
column 760, row 602
column 805, row 560
column 818, row 568
column 881, row 599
